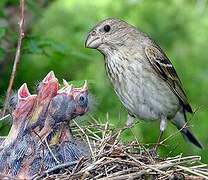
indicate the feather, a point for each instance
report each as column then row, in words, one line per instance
column 165, row 69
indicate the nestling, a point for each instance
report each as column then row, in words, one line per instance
column 142, row 76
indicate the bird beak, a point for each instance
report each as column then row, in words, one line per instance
column 21, row 114
column 82, row 88
column 67, row 88
column 50, row 76
column 85, row 86
column 24, row 94
column 25, row 102
column 93, row 41
column 49, row 87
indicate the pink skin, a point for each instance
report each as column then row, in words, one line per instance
column 31, row 107
column 64, row 134
column 47, row 129
column 21, row 113
column 47, row 90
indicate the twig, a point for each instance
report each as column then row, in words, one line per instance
column 60, row 166
column 192, row 172
column 88, row 141
column 5, row 117
column 128, row 176
column 146, row 165
column 114, row 160
column 17, row 55
column 81, row 160
column 51, row 152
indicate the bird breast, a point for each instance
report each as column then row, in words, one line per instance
column 140, row 89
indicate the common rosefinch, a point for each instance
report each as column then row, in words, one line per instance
column 40, row 137
column 21, row 104
column 142, row 75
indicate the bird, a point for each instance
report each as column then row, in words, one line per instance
column 142, row 75
column 21, row 105
column 41, row 137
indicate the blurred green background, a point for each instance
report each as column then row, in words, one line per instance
column 55, row 35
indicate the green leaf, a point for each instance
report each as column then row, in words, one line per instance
column 2, row 53
column 31, row 45
column 2, row 32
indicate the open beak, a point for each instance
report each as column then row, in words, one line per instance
column 49, row 77
column 93, row 40
column 21, row 113
column 47, row 90
column 83, row 88
column 49, row 87
column 25, row 102
column 24, row 94
column 66, row 89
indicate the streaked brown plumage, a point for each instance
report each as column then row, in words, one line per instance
column 142, row 75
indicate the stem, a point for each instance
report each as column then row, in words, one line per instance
column 17, row 55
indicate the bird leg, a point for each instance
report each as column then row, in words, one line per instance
column 163, row 123
column 130, row 120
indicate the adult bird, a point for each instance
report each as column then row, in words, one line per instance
column 143, row 77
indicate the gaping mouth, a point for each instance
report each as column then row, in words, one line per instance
column 66, row 89
column 82, row 88
column 24, row 94
column 25, row 101
column 50, row 76
column 48, row 87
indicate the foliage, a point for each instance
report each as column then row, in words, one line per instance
column 55, row 40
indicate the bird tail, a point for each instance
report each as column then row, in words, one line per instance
column 180, row 122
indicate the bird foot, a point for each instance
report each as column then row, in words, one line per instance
column 130, row 121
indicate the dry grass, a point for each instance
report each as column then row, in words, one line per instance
column 111, row 159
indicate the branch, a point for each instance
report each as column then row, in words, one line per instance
column 17, row 56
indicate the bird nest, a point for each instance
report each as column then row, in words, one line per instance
column 111, row 159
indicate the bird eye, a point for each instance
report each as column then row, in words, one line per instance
column 107, row 28
column 82, row 100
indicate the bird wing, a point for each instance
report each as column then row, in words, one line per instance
column 165, row 69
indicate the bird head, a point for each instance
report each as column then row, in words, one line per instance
column 80, row 96
column 109, row 34
column 24, row 103
column 69, row 102
column 47, row 88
